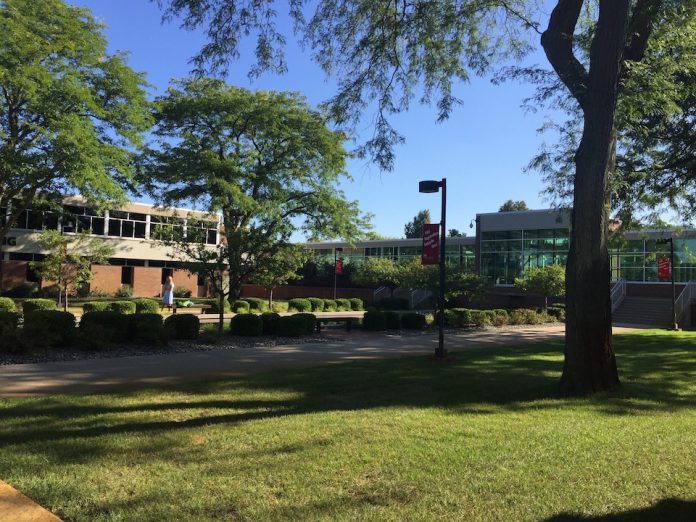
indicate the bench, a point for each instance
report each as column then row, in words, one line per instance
column 202, row 307
column 347, row 320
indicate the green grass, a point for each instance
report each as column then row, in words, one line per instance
column 482, row 438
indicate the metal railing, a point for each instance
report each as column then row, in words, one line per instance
column 618, row 293
column 681, row 305
column 379, row 293
column 418, row 296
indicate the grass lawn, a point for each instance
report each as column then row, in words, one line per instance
column 483, row 438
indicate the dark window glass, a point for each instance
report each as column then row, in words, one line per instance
column 84, row 224
column 127, row 229
column 127, row 275
column 135, row 262
column 212, row 237
column 92, row 212
column 21, row 221
column 98, row 226
column 200, row 280
column 32, row 275
column 117, row 261
column 166, row 272
column 114, row 227
column 140, row 229
column 21, row 256
column 156, row 264
column 73, row 210
column 136, row 217
column 118, row 214
column 34, row 219
column 157, row 219
column 50, row 220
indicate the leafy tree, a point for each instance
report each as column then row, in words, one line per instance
column 547, row 281
column 513, row 206
column 453, row 232
column 377, row 271
column 414, row 228
column 69, row 261
column 459, row 282
column 71, row 114
column 264, row 160
column 386, row 52
column 281, row 266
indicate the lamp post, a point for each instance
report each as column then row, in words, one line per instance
column 336, row 250
column 429, row 187
column 670, row 240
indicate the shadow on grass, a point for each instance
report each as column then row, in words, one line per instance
column 667, row 510
column 657, row 370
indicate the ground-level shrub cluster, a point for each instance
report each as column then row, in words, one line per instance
column 464, row 317
column 270, row 323
column 316, row 304
column 376, row 320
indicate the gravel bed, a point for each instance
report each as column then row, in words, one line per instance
column 203, row 344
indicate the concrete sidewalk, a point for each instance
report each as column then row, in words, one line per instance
column 97, row 375
column 16, row 507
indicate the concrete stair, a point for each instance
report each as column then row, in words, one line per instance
column 644, row 311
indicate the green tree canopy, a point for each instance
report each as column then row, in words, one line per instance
column 281, row 266
column 71, row 114
column 265, row 160
column 513, row 206
column 414, row 228
column 377, row 271
column 548, row 281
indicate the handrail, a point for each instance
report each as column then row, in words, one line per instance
column 681, row 305
column 618, row 293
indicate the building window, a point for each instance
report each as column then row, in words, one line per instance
column 166, row 272
column 127, row 275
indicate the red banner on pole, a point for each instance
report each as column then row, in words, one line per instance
column 663, row 268
column 431, row 244
column 339, row 266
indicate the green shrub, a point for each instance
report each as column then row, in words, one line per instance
column 247, row 325
column 491, row 315
column 501, row 311
column 481, row 318
column 182, row 326
column 501, row 320
column 94, row 306
column 23, row 290
column 413, row 321
column 279, row 306
column 525, row 316
column 374, row 321
column 291, row 326
column 147, row 328
column 241, row 307
column 300, row 305
column 310, row 321
column 146, row 306
column 356, row 304
column 182, row 292
column 256, row 304
column 392, row 320
column 557, row 312
column 317, row 304
column 124, row 291
column 99, row 329
column 270, row 322
column 458, row 317
column 392, row 303
column 121, row 307
column 9, row 335
column 214, row 305
column 32, row 305
column 330, row 305
column 48, row 328
column 7, row 305
column 343, row 305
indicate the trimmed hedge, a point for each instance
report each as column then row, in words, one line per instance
column 98, row 329
column 7, row 305
column 256, row 304
column 300, row 305
column 525, row 316
column 413, row 321
column 48, row 328
column 247, row 325
column 95, row 306
column 330, row 305
column 121, row 307
column 310, row 321
column 374, row 321
column 392, row 303
column 9, row 335
column 270, row 322
column 557, row 312
column 343, row 305
column 317, row 304
column 146, row 306
column 392, row 320
column 279, row 306
column 458, row 317
column 481, row 318
column 240, row 307
column 182, row 326
column 147, row 328
column 356, row 304
column 32, row 305
column 291, row 326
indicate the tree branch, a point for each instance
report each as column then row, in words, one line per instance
column 557, row 42
column 639, row 30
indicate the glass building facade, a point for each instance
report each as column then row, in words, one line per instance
column 636, row 259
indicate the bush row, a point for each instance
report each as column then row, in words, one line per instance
column 316, row 304
column 271, row 323
column 97, row 330
column 462, row 317
column 376, row 320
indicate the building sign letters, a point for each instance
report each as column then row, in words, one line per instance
column 9, row 241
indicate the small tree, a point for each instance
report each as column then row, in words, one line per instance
column 548, row 281
column 459, row 282
column 453, row 232
column 414, row 228
column 281, row 266
column 513, row 206
column 70, row 259
column 378, row 271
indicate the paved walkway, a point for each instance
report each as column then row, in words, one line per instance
column 96, row 375
column 16, row 507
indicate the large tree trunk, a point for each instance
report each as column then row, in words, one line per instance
column 590, row 363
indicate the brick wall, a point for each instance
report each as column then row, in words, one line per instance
column 107, row 278
column 13, row 273
column 288, row 292
column 147, row 282
column 184, row 279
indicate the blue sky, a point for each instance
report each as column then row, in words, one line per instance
column 481, row 150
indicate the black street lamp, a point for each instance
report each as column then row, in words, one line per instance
column 429, row 187
column 336, row 250
column 670, row 240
